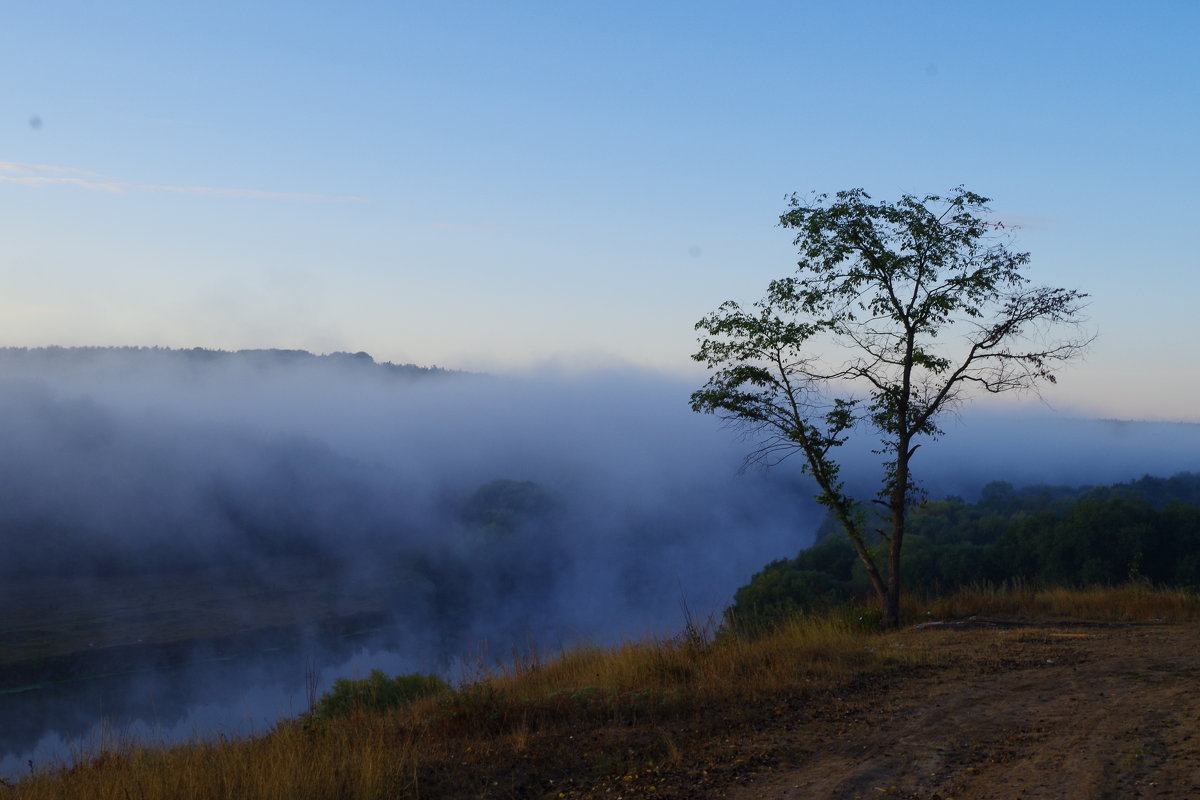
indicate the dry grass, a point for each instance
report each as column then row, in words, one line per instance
column 1134, row 602
column 563, row 724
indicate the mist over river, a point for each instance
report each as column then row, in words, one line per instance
column 195, row 541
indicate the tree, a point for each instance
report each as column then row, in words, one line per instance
column 895, row 312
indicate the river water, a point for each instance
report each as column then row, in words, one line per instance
column 209, row 696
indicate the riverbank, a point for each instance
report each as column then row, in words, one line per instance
column 820, row 708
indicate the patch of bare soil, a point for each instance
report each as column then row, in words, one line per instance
column 1055, row 711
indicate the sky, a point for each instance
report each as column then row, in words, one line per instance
column 506, row 186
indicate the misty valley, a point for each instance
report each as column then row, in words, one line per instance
column 193, row 529
column 145, row 640
column 199, row 543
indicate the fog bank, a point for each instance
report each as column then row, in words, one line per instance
column 455, row 508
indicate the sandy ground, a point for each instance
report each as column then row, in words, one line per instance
column 1063, row 712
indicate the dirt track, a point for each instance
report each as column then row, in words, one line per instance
column 1049, row 712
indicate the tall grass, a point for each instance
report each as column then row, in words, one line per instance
column 1131, row 602
column 560, row 717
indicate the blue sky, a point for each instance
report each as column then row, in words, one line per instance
column 502, row 185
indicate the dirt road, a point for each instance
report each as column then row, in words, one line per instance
column 1062, row 711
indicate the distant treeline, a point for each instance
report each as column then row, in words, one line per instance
column 261, row 358
column 1145, row 530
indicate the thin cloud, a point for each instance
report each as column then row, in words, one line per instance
column 39, row 175
column 18, row 168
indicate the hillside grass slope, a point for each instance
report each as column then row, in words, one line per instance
column 821, row 706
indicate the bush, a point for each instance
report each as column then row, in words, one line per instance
column 376, row 692
column 822, row 577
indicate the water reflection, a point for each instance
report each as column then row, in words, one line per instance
column 203, row 699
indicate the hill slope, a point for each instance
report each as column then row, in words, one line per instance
column 1032, row 702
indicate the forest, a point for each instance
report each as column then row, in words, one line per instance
column 1147, row 530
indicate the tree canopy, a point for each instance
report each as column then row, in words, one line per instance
column 896, row 310
column 1035, row 536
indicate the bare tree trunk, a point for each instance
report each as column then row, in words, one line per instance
column 891, row 604
column 898, row 505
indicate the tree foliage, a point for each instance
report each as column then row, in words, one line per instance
column 896, row 310
column 1146, row 530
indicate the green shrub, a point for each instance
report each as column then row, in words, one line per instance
column 376, row 692
column 819, row 578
